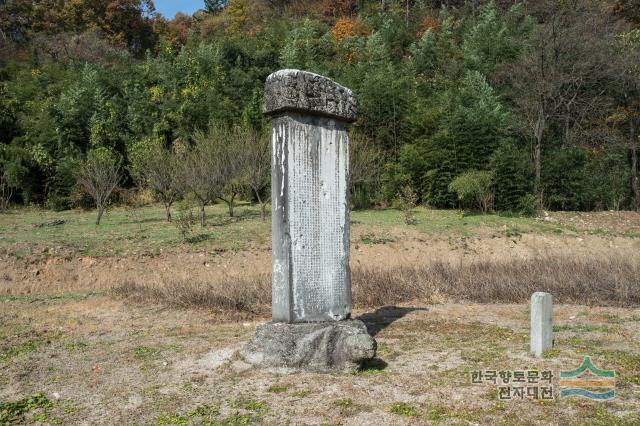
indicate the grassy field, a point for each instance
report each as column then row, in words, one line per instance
column 129, row 323
column 128, row 231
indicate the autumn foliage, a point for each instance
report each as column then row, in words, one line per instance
column 347, row 27
column 543, row 94
column 428, row 23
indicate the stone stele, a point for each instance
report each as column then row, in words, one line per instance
column 311, row 279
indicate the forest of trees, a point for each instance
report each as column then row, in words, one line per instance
column 511, row 105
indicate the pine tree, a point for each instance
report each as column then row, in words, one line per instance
column 214, row 6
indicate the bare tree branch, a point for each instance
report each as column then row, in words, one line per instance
column 99, row 175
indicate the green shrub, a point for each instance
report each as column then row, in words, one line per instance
column 528, row 205
column 407, row 200
column 57, row 202
column 474, row 187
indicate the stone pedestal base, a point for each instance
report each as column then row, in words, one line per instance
column 325, row 346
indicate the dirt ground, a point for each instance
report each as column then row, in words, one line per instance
column 99, row 361
column 613, row 220
column 57, row 270
column 72, row 354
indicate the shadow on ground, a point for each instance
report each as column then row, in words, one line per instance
column 384, row 317
column 377, row 321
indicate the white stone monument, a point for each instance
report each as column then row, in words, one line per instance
column 310, row 163
column 311, row 279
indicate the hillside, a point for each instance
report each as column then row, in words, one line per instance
column 540, row 98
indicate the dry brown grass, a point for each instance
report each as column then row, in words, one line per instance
column 598, row 282
column 250, row 295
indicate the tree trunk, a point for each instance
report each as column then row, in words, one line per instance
column 484, row 204
column 633, row 145
column 565, row 142
column 202, row 215
column 263, row 210
column 406, row 17
column 100, row 213
column 537, row 161
column 167, row 209
column 5, row 194
column 263, row 205
column 231, row 205
column 537, row 152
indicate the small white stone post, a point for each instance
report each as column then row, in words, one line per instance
column 541, row 323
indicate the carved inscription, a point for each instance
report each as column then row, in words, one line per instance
column 310, row 158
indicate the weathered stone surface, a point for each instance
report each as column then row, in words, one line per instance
column 311, row 280
column 302, row 91
column 310, row 172
column 541, row 323
column 319, row 347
